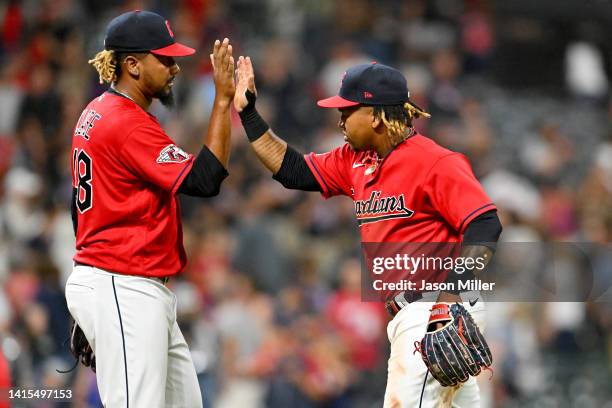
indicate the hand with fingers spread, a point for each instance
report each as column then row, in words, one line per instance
column 245, row 78
column 222, row 61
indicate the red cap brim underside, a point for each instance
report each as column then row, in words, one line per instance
column 336, row 102
column 174, row 50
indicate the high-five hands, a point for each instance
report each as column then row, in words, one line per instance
column 245, row 77
column 222, row 61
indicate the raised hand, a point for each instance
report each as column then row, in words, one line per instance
column 245, row 77
column 222, row 61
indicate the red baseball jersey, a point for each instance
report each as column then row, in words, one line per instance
column 420, row 192
column 127, row 170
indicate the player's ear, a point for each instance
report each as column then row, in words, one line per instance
column 132, row 65
column 376, row 121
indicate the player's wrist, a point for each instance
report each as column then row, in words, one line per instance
column 454, row 278
column 449, row 297
column 254, row 125
column 222, row 102
column 251, row 98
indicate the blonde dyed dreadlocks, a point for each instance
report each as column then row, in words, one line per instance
column 105, row 62
column 398, row 119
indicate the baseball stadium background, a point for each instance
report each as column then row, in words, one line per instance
column 270, row 301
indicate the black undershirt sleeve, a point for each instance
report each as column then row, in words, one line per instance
column 205, row 177
column 295, row 174
column 73, row 211
column 483, row 230
column 479, row 239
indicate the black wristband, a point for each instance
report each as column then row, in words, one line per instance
column 253, row 124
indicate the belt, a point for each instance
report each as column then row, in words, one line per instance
column 162, row 279
column 400, row 301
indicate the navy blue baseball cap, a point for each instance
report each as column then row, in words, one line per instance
column 143, row 31
column 369, row 84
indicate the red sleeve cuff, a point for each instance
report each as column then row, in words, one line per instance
column 317, row 174
column 182, row 175
column 480, row 210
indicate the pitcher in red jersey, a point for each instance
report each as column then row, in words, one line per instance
column 126, row 175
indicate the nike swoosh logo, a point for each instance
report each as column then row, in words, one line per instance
column 473, row 302
column 355, row 165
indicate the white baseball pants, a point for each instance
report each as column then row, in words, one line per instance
column 142, row 359
column 406, row 370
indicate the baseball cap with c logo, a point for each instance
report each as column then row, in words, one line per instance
column 143, row 31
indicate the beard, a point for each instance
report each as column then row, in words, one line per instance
column 165, row 97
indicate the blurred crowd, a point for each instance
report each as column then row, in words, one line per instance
column 270, row 302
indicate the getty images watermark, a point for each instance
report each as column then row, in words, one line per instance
column 517, row 271
column 417, row 270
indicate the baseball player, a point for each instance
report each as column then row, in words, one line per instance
column 127, row 173
column 435, row 197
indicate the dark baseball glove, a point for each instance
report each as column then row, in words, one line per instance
column 457, row 350
column 80, row 348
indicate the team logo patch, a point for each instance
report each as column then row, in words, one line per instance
column 172, row 154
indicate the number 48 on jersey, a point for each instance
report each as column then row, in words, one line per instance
column 82, row 177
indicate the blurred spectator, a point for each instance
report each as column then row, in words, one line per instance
column 585, row 70
column 513, row 193
column 11, row 96
column 548, row 156
column 361, row 324
column 477, row 37
column 445, row 98
column 586, row 76
column 422, row 35
column 23, row 213
column 42, row 103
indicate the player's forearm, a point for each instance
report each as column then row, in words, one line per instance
column 479, row 242
column 270, row 150
column 286, row 164
column 219, row 130
column 480, row 252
